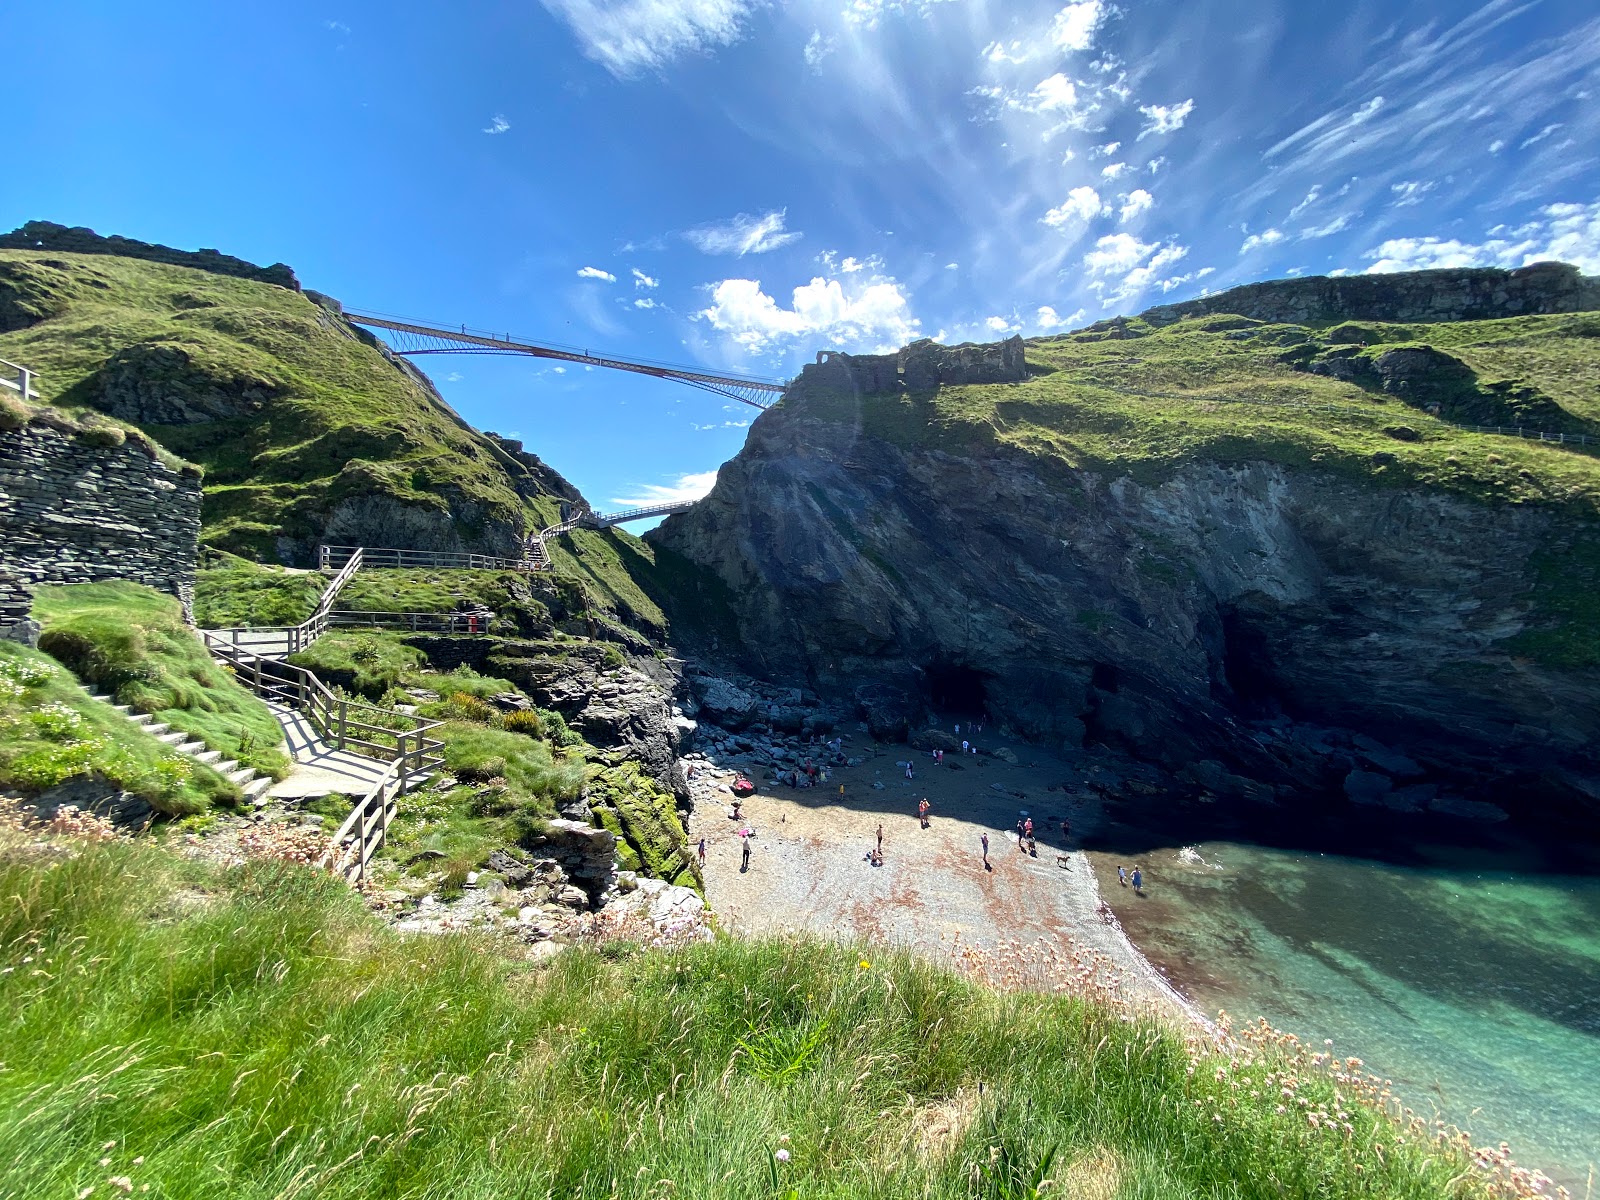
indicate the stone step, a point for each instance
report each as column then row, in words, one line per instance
column 192, row 749
column 242, row 776
column 210, row 757
column 256, row 790
column 223, row 767
column 141, row 718
column 172, row 737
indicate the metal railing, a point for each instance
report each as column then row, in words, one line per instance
column 327, row 556
column 19, row 379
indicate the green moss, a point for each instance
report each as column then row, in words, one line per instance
column 644, row 818
column 132, row 642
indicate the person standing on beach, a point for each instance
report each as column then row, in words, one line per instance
column 1066, row 831
column 985, row 840
column 880, row 837
column 744, row 862
column 1138, row 880
column 922, row 811
column 702, row 854
column 1122, row 876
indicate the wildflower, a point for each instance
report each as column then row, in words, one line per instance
column 864, row 965
column 782, row 1156
column 122, row 1183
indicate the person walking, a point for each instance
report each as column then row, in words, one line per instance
column 922, row 812
column 702, row 854
column 880, row 837
column 744, row 862
column 1019, row 833
column 1138, row 881
column 908, row 769
column 985, row 840
column 1122, row 876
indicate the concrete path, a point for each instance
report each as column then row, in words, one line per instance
column 320, row 769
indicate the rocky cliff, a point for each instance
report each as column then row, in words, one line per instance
column 1185, row 547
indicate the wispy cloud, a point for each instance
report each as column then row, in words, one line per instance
column 1409, row 192
column 1136, row 202
column 641, row 280
column 1164, row 118
column 596, row 273
column 497, row 124
column 1267, row 237
column 644, row 302
column 1047, row 319
column 628, row 37
column 1075, row 25
column 817, row 48
column 683, row 490
column 1569, row 232
column 1081, row 205
column 744, row 234
column 1548, row 131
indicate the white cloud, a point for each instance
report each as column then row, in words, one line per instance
column 1075, row 25
column 644, row 302
column 1056, row 94
column 952, row 266
column 1081, row 204
column 685, row 489
column 628, row 37
column 1164, row 118
column 817, row 48
column 851, row 265
column 497, row 124
column 1568, row 232
column 1107, row 150
column 1496, row 146
column 1136, row 202
column 1047, row 318
column 1540, row 136
column 1000, row 325
column 1266, row 237
column 641, row 280
column 1410, row 191
column 1114, row 170
column 868, row 13
column 1006, row 52
column 744, row 234
column 559, row 370
column 337, row 26
column 1116, row 252
column 1338, row 224
column 596, row 273
column 1126, row 266
column 1155, row 165
column 1311, row 198
column 873, row 312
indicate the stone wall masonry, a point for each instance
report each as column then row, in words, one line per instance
column 76, row 512
column 920, row 367
column 1464, row 294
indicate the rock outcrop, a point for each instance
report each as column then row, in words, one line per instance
column 47, row 235
column 920, row 367
column 1157, row 617
column 1453, row 294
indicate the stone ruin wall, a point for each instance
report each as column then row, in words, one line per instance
column 76, row 512
column 1466, row 294
column 920, row 367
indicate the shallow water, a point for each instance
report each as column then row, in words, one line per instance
column 1470, row 978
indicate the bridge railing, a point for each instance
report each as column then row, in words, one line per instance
column 329, row 556
column 19, row 379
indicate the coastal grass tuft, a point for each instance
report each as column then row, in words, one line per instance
column 231, row 591
column 51, row 733
column 254, row 1032
column 131, row 641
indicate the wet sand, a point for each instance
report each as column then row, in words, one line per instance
column 808, row 870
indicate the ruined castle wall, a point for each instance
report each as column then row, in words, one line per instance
column 77, row 511
column 1467, row 294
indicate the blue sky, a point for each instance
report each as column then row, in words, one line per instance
column 739, row 184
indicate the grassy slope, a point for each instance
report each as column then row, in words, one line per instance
column 50, row 732
column 263, row 1036
column 342, row 420
column 131, row 641
column 236, row 591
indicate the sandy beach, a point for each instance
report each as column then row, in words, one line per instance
column 809, row 870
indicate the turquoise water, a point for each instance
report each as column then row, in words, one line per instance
column 1470, row 978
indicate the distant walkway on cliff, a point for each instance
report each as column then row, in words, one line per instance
column 412, row 338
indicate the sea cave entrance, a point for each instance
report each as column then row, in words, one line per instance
column 957, row 689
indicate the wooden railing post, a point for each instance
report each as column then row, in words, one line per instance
column 344, row 706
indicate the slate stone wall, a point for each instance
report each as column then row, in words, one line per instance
column 920, row 367
column 77, row 511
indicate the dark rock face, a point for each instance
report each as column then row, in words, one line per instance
column 161, row 384
column 1155, row 619
column 1455, row 294
column 31, row 292
column 920, row 367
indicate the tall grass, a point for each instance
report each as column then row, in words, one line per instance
column 256, row 1034
column 132, row 642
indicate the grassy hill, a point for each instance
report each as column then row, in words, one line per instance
column 298, row 417
column 254, row 1032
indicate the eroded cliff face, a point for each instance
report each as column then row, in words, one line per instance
column 1165, row 619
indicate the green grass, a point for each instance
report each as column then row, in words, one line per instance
column 257, row 1034
column 51, row 732
column 644, row 818
column 1207, row 391
column 327, row 417
column 131, row 642
column 236, row 591
column 368, row 663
